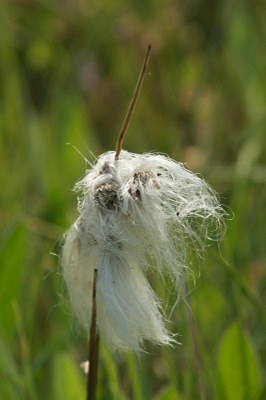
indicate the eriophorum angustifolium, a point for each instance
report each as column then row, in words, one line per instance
column 137, row 213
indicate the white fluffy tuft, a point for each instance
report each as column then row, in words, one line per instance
column 138, row 213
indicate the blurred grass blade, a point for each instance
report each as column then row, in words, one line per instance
column 67, row 380
column 12, row 258
column 135, row 377
column 109, row 387
column 237, row 367
column 168, row 393
column 10, row 381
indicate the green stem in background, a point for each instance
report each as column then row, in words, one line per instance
column 197, row 357
column 93, row 345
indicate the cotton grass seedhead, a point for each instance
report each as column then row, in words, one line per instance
column 138, row 213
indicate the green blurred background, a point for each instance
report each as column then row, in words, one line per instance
column 67, row 72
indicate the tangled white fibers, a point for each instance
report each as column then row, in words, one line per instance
column 137, row 213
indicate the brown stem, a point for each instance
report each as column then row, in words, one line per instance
column 93, row 346
column 132, row 104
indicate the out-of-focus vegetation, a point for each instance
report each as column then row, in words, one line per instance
column 67, row 71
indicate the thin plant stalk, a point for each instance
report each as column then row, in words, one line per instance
column 132, row 103
column 93, row 345
column 197, row 357
column 94, row 337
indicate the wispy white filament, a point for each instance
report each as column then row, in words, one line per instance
column 138, row 213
